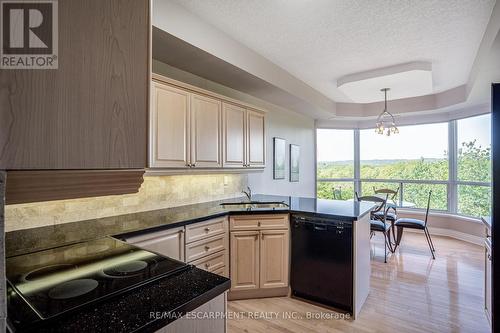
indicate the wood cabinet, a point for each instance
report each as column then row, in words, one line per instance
column 206, row 322
column 244, row 137
column 91, row 112
column 274, row 249
column 207, row 245
column 185, row 128
column 259, row 222
column 206, row 133
column 169, row 126
column 88, row 116
column 259, row 255
column 169, row 243
column 245, row 260
column 256, row 139
column 234, row 135
column 193, row 128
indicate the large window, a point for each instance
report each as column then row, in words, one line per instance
column 417, row 152
column 452, row 159
column 335, row 158
column 474, row 165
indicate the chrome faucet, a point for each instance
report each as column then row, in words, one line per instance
column 248, row 193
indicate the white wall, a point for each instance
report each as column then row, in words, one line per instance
column 293, row 127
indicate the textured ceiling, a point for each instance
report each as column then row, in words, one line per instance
column 319, row 41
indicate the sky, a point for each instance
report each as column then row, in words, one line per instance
column 412, row 142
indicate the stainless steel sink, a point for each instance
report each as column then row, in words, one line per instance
column 254, row 205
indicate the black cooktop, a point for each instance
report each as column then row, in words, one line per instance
column 61, row 279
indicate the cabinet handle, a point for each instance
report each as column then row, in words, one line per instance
column 181, row 231
column 207, row 265
column 258, row 223
column 207, row 229
column 207, row 248
column 193, row 165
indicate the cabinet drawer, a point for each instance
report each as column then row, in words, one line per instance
column 212, row 262
column 202, row 230
column 199, row 249
column 169, row 242
column 223, row 271
column 259, row 222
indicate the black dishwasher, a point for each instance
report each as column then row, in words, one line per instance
column 322, row 260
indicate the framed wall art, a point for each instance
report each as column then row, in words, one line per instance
column 279, row 158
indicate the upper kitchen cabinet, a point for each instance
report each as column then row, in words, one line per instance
column 194, row 128
column 244, row 137
column 256, row 139
column 234, row 136
column 91, row 112
column 169, row 126
column 206, row 133
column 185, row 128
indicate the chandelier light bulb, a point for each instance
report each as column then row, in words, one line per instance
column 380, row 126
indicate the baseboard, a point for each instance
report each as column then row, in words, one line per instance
column 257, row 293
column 453, row 234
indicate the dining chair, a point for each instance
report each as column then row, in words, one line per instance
column 391, row 195
column 337, row 193
column 379, row 223
column 410, row 223
column 391, row 216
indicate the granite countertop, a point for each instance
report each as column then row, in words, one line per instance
column 171, row 296
column 37, row 239
column 487, row 221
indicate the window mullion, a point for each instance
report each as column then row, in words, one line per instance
column 452, row 166
column 357, row 171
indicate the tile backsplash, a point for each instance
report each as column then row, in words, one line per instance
column 155, row 193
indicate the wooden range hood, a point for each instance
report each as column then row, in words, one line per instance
column 44, row 185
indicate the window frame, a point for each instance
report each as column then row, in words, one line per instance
column 452, row 183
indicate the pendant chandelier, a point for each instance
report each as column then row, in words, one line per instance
column 385, row 121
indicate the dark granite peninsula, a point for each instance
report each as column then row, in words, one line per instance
column 75, row 249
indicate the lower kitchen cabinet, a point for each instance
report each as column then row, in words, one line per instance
column 245, row 260
column 169, row 243
column 274, row 253
column 259, row 258
column 204, row 319
column 207, row 245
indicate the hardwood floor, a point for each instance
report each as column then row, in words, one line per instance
column 411, row 293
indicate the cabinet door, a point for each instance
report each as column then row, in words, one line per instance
column 206, row 141
column 487, row 286
column 244, row 260
column 169, row 242
column 169, row 126
column 234, row 135
column 256, row 139
column 274, row 254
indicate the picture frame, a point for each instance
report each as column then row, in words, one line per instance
column 279, row 158
column 294, row 163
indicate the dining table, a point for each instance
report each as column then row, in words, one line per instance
column 397, row 234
